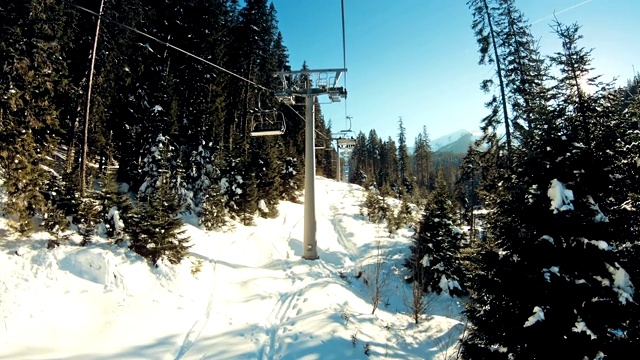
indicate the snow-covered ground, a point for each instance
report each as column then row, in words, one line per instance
column 253, row 298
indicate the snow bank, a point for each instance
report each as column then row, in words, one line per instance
column 91, row 264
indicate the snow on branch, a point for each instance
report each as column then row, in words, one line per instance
column 560, row 196
column 538, row 315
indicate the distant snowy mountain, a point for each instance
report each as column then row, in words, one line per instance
column 456, row 142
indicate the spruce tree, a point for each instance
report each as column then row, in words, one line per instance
column 291, row 178
column 549, row 280
column 88, row 216
column 155, row 228
column 269, row 185
column 373, row 203
column 484, row 12
column 358, row 161
column 404, row 163
column 422, row 164
column 32, row 70
column 213, row 213
column 388, row 171
column 115, row 205
column 436, row 246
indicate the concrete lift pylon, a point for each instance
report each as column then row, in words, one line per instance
column 310, row 84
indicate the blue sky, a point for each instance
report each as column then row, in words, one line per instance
column 418, row 58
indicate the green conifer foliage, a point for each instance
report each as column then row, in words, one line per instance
column 291, row 178
column 269, row 185
column 32, row 69
column 550, row 279
column 436, row 247
column 422, row 165
column 155, row 227
column 88, row 217
column 213, row 213
column 374, row 204
column 114, row 206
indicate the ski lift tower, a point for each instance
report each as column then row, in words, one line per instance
column 310, row 84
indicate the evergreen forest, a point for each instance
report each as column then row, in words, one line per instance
column 536, row 227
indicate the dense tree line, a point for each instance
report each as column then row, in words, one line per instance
column 175, row 129
column 554, row 276
column 396, row 171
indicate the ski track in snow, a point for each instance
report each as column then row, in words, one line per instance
column 280, row 316
column 194, row 333
column 343, row 240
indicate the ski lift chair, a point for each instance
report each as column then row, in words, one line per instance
column 346, row 140
column 346, row 143
column 336, row 93
column 268, row 123
column 283, row 93
column 285, row 96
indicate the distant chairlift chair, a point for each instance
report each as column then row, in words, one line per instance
column 267, row 123
column 346, row 143
column 345, row 139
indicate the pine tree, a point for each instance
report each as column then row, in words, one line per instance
column 32, row 69
column 388, row 172
column 436, row 246
column 422, row 163
column 115, row 205
column 548, row 280
column 213, row 213
column 154, row 229
column 88, row 217
column 404, row 163
column 484, row 12
column 374, row 203
column 358, row 161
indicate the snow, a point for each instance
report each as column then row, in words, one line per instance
column 263, row 206
column 621, row 283
column 243, row 293
column 444, row 140
column 538, row 315
column 599, row 217
column 446, row 285
column 553, row 269
column 560, row 196
column 582, row 327
column 425, row 261
column 547, row 238
column 600, row 244
column 115, row 215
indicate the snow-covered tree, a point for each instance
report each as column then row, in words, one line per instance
column 155, row 227
column 436, row 247
column 550, row 280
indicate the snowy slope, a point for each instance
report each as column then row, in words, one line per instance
column 253, row 298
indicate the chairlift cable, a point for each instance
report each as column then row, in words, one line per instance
column 344, row 57
column 304, row 121
column 105, row 18
column 166, row 44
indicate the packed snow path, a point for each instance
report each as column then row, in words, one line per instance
column 252, row 298
column 195, row 331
